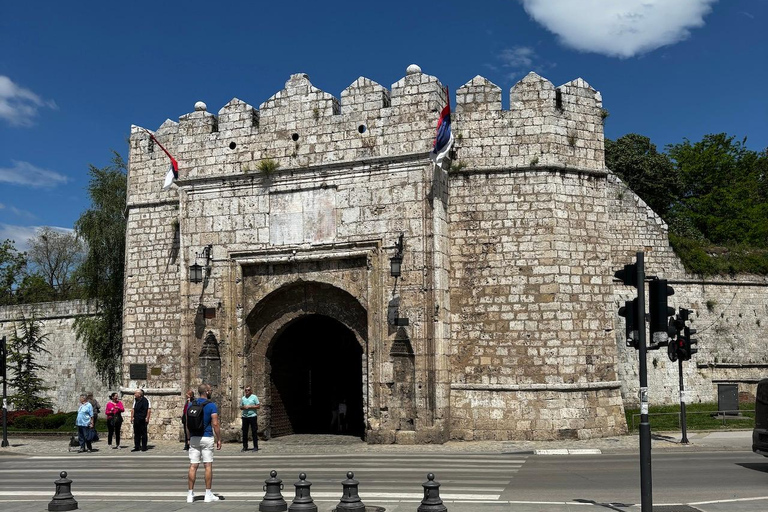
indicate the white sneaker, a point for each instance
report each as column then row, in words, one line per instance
column 191, row 498
column 211, row 497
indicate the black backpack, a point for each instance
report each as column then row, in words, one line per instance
column 196, row 418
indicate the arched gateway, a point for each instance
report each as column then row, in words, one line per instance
column 308, row 353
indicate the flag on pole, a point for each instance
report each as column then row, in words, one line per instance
column 444, row 137
column 173, row 170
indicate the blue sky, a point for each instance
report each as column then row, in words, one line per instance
column 74, row 76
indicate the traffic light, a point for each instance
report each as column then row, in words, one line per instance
column 628, row 275
column 675, row 348
column 629, row 312
column 689, row 342
column 658, row 291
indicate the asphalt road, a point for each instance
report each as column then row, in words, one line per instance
column 677, row 478
column 728, row 480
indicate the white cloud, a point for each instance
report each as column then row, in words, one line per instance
column 18, row 105
column 17, row 211
column 619, row 28
column 22, row 234
column 26, row 174
column 518, row 57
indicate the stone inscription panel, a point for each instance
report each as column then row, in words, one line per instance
column 303, row 216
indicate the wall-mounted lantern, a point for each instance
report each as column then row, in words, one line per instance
column 396, row 261
column 196, row 270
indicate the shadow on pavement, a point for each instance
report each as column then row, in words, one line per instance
column 755, row 466
column 611, row 506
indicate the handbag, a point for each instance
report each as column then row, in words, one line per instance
column 90, row 434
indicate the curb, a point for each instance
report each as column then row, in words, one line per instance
column 583, row 451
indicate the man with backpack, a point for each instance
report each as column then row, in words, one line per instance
column 202, row 420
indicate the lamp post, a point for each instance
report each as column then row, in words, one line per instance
column 396, row 261
column 196, row 270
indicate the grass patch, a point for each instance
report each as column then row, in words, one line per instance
column 707, row 259
column 698, row 417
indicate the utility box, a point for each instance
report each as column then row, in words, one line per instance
column 728, row 399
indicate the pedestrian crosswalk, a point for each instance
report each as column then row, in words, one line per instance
column 462, row 476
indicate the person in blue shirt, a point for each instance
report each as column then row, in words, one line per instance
column 84, row 423
column 201, row 446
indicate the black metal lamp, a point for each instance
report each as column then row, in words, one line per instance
column 196, row 270
column 396, row 261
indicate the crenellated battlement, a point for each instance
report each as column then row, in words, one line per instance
column 302, row 126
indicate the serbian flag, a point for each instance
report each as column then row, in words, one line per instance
column 173, row 171
column 444, row 137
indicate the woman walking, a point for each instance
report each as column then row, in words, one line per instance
column 114, row 413
column 84, row 424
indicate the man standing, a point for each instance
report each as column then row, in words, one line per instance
column 249, row 404
column 140, row 414
column 201, row 442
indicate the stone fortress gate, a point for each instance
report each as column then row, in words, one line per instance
column 501, row 324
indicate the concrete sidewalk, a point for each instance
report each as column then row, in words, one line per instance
column 736, row 440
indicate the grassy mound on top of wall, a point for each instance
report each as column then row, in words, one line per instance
column 698, row 417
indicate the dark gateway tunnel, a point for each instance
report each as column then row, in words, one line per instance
column 316, row 372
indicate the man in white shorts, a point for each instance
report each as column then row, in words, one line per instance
column 201, row 444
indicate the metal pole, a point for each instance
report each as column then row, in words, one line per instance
column 684, row 439
column 646, row 493
column 5, row 394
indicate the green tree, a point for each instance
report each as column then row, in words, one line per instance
column 12, row 265
column 102, row 228
column 55, row 255
column 723, row 194
column 26, row 343
column 650, row 174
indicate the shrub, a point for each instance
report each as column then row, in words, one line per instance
column 42, row 412
column 54, row 421
column 28, row 422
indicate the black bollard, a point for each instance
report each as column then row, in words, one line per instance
column 350, row 499
column 302, row 502
column 431, row 501
column 63, row 499
column 273, row 499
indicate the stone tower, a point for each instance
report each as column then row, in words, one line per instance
column 499, row 326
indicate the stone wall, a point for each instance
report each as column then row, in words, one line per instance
column 727, row 312
column 502, row 324
column 68, row 372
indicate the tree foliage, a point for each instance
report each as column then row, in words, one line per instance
column 26, row 343
column 12, row 265
column 650, row 174
column 713, row 194
column 102, row 228
column 54, row 256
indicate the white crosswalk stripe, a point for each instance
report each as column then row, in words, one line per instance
column 466, row 477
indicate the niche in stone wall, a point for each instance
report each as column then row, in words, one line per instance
column 210, row 361
column 404, row 369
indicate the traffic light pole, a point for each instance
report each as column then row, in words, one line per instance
column 684, row 439
column 646, row 493
column 5, row 395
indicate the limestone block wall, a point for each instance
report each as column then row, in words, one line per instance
column 68, row 372
column 532, row 357
column 151, row 310
column 727, row 312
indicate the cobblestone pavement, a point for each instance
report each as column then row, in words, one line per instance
column 726, row 440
